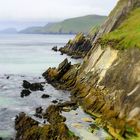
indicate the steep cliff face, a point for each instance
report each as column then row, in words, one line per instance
column 114, row 75
column 107, row 84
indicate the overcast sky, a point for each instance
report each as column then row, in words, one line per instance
column 42, row 11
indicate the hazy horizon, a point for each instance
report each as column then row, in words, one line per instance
column 41, row 12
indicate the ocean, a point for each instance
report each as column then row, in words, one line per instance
column 26, row 57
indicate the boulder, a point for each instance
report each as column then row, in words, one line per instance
column 45, row 96
column 26, row 84
column 25, row 92
column 54, row 101
column 55, row 48
column 32, row 86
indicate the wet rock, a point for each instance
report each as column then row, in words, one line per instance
column 54, row 48
column 32, row 86
column 52, row 114
column 7, row 77
column 38, row 113
column 67, row 104
column 26, row 84
column 76, row 57
column 45, row 96
column 54, row 101
column 25, row 92
column 39, row 110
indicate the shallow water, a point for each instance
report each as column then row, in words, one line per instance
column 26, row 57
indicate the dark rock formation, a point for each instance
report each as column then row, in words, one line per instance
column 55, row 48
column 38, row 112
column 23, row 124
column 52, row 114
column 32, row 86
column 25, row 92
column 29, row 129
column 53, row 74
column 78, row 47
column 44, row 96
column 55, row 101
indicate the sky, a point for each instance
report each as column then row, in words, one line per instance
column 20, row 13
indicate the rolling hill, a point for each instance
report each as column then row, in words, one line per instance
column 68, row 26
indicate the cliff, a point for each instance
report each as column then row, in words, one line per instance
column 107, row 84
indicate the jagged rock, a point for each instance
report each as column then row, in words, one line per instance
column 32, row 86
column 39, row 110
column 54, row 48
column 78, row 47
column 45, row 96
column 53, row 74
column 52, row 114
column 63, row 65
column 54, row 101
column 25, row 92
column 29, row 129
column 26, row 84
column 23, row 123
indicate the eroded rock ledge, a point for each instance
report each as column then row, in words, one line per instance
column 29, row 129
column 78, row 47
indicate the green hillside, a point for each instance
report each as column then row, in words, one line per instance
column 73, row 25
column 128, row 34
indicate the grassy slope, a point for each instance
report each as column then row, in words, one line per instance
column 74, row 25
column 128, row 34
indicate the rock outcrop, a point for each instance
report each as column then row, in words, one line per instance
column 78, row 47
column 107, row 84
column 29, row 129
column 32, row 86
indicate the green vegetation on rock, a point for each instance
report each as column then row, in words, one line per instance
column 127, row 35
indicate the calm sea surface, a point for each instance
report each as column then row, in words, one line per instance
column 30, row 54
